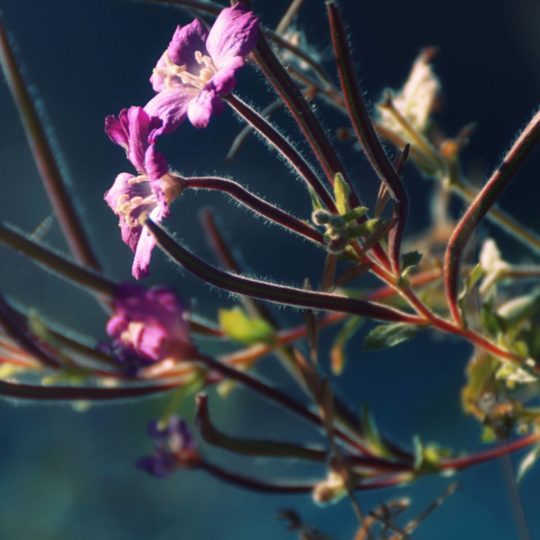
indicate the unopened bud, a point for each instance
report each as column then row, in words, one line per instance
column 320, row 217
column 330, row 490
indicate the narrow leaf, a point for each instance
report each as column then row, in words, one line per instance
column 372, row 434
column 338, row 356
column 389, row 335
column 341, row 194
column 528, row 462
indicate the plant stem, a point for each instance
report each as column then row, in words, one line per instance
column 255, row 204
column 73, row 393
column 13, row 325
column 272, row 292
column 275, row 395
column 59, row 197
column 365, row 131
column 283, row 146
column 486, row 198
column 12, row 238
column 253, row 484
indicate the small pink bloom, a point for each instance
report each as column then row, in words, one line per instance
column 149, row 193
column 150, row 323
column 199, row 67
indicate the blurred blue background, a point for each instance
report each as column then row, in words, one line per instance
column 69, row 475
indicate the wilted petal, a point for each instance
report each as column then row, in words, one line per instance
column 203, row 107
column 171, row 106
column 181, row 51
column 234, row 33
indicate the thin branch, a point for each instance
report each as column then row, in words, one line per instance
column 283, row 146
column 255, row 204
column 272, row 292
column 12, row 238
column 55, row 185
column 366, row 133
column 483, row 202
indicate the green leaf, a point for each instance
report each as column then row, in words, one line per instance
column 75, row 376
column 354, row 214
column 379, row 233
column 491, row 321
column 315, row 201
column 472, row 279
column 488, row 435
column 480, row 380
column 427, row 458
column 9, row 370
column 337, row 352
column 390, row 335
column 247, row 330
column 528, row 462
column 341, row 194
column 372, row 435
column 37, row 326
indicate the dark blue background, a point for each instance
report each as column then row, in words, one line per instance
column 70, row 475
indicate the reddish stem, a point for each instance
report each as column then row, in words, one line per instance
column 59, row 197
column 256, row 204
column 366, row 133
column 482, row 203
column 283, row 146
column 275, row 293
column 481, row 457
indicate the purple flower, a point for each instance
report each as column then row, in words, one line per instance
column 150, row 193
column 199, row 67
column 127, row 360
column 174, row 448
column 150, row 323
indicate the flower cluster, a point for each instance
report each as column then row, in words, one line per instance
column 191, row 78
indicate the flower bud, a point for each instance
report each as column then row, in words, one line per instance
column 329, row 491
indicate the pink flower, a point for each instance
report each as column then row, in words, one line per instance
column 151, row 192
column 199, row 67
column 150, row 323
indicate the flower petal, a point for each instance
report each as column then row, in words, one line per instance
column 132, row 131
column 155, row 163
column 224, row 80
column 203, row 107
column 116, row 129
column 181, row 51
column 145, row 245
column 170, row 106
column 234, row 33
